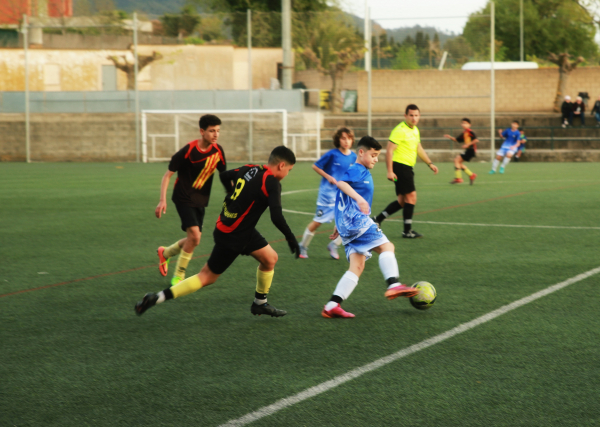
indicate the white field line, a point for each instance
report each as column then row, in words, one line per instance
column 472, row 224
column 355, row 373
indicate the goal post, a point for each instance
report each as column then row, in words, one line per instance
column 246, row 135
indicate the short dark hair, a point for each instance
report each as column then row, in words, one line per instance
column 338, row 134
column 368, row 142
column 516, row 121
column 411, row 107
column 282, row 154
column 208, row 120
column 466, row 120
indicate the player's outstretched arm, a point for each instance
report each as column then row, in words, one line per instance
column 363, row 205
column 423, row 156
column 274, row 190
column 164, row 185
column 324, row 174
column 227, row 178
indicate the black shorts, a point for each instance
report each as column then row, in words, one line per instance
column 228, row 248
column 190, row 216
column 406, row 178
column 468, row 154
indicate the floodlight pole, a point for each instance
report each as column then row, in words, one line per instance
column 249, row 36
column 137, row 93
column 492, row 78
column 521, row 29
column 286, row 39
column 25, row 31
column 368, row 62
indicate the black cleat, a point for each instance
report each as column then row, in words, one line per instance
column 266, row 309
column 377, row 223
column 148, row 301
column 412, row 234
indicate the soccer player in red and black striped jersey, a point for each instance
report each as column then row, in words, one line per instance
column 469, row 141
column 255, row 188
column 195, row 165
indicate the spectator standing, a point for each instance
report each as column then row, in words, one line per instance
column 567, row 112
column 579, row 110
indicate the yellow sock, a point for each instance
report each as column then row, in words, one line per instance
column 263, row 281
column 468, row 172
column 457, row 174
column 182, row 263
column 187, row 286
column 172, row 250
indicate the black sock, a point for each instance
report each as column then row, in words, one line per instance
column 408, row 214
column 260, row 296
column 336, row 298
column 391, row 209
column 168, row 294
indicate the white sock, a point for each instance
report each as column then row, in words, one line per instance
column 161, row 297
column 495, row 164
column 260, row 301
column 330, row 305
column 306, row 238
column 338, row 240
column 389, row 266
column 346, row 285
column 505, row 161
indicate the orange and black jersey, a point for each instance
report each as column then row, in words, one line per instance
column 195, row 169
column 254, row 189
column 467, row 137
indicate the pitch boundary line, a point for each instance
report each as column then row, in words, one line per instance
column 355, row 373
column 470, row 223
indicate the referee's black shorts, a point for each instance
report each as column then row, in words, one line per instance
column 228, row 248
column 406, row 178
column 190, row 216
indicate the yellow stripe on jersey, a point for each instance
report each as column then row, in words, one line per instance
column 407, row 141
column 209, row 168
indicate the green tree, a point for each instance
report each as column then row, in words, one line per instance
column 180, row 25
column 406, row 58
column 459, row 50
column 549, row 26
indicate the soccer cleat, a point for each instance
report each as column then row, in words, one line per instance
column 401, row 291
column 303, row 252
column 333, row 250
column 501, row 169
column 148, row 301
column 336, row 311
column 175, row 280
column 266, row 309
column 472, row 179
column 412, row 234
column 163, row 263
column 377, row 223
column 492, row 172
column 456, row 181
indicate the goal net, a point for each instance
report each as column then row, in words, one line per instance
column 246, row 135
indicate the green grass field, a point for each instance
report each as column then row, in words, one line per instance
column 78, row 248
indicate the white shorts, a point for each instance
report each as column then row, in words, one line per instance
column 324, row 214
column 372, row 238
column 502, row 152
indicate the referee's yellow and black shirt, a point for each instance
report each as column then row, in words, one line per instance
column 407, row 140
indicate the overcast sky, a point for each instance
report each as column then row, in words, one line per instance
column 446, row 15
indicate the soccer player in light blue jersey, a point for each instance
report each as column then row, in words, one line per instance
column 331, row 166
column 509, row 146
column 359, row 232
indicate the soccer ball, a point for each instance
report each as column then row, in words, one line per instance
column 426, row 296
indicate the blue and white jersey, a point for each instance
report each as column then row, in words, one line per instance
column 350, row 221
column 510, row 137
column 333, row 163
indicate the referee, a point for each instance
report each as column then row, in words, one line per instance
column 403, row 147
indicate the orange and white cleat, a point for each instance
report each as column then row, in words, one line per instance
column 163, row 263
column 401, row 291
column 336, row 311
column 472, row 178
column 456, row 181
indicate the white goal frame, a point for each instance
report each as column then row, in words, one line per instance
column 175, row 135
